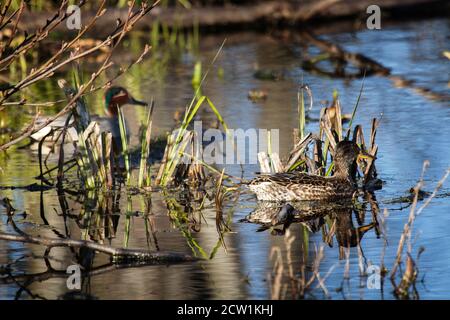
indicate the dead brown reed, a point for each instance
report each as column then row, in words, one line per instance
column 409, row 276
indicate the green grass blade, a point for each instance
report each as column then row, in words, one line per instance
column 144, row 174
column 355, row 107
column 123, row 138
column 217, row 114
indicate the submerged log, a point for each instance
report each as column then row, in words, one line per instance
column 366, row 65
column 118, row 255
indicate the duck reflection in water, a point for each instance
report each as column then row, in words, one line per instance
column 334, row 219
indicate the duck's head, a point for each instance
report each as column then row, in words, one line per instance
column 346, row 156
column 117, row 97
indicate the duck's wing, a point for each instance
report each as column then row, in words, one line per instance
column 298, row 186
column 55, row 125
column 288, row 178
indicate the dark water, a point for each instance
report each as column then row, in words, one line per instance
column 413, row 129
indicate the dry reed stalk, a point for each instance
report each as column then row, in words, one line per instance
column 221, row 226
column 408, row 279
column 299, row 285
column 275, row 283
column 370, row 171
column 288, row 240
column 174, row 153
column 328, row 238
column 338, row 120
column 196, row 172
column 275, row 162
column 297, row 152
column 164, row 160
column 383, row 227
column 408, row 225
column 411, row 270
column 264, row 162
column 358, row 136
column 326, row 125
column 318, row 158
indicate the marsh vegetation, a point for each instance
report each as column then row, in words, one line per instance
column 146, row 217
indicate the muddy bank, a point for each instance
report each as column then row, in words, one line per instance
column 257, row 15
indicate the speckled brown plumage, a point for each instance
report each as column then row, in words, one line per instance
column 275, row 213
column 302, row 186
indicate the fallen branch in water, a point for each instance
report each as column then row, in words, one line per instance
column 118, row 255
column 365, row 64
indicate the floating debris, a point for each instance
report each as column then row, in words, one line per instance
column 268, row 75
column 257, row 95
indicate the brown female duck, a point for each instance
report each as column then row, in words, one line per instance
column 295, row 186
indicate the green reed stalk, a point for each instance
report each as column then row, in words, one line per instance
column 355, row 107
column 172, row 160
column 217, row 114
column 123, row 138
column 178, row 146
column 196, row 32
column 189, row 115
column 84, row 163
column 144, row 170
column 185, row 3
column 197, row 78
column 174, row 35
column 127, row 230
column 154, row 35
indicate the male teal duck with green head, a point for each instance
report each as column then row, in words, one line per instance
column 114, row 97
column 117, row 97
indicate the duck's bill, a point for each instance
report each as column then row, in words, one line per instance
column 137, row 102
column 365, row 156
